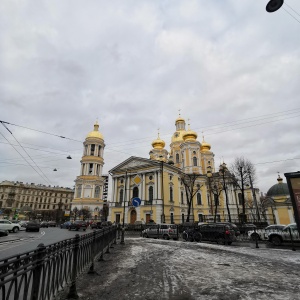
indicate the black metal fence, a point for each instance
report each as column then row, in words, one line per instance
column 42, row 273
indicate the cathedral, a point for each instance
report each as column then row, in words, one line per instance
column 171, row 186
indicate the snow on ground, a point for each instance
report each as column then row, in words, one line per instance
column 157, row 269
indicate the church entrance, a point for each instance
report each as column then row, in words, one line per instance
column 132, row 216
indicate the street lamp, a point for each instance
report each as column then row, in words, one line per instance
column 274, row 5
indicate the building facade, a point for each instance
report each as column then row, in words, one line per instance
column 91, row 186
column 277, row 204
column 176, row 184
column 24, row 201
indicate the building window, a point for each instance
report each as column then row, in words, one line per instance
column 135, row 192
column 182, row 218
column 171, row 194
column 172, row 218
column 240, row 198
column 181, row 197
column 195, row 161
column 199, row 202
column 150, row 177
column 150, row 193
column 121, row 195
column 99, row 150
column 97, row 192
column 79, row 189
column 177, row 158
column 201, row 218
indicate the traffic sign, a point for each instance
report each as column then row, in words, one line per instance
column 136, row 201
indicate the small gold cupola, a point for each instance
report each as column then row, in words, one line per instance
column 205, row 146
column 158, row 143
column 95, row 133
column 190, row 135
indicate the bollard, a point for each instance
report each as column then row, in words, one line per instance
column 119, row 230
column 291, row 236
column 41, row 253
column 256, row 238
column 122, row 236
column 73, row 290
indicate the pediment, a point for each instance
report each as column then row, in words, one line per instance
column 134, row 163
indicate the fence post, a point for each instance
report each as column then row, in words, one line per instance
column 107, row 239
column 91, row 270
column 41, row 253
column 73, row 290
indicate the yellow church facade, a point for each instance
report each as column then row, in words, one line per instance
column 159, row 182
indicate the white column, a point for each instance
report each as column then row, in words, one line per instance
column 291, row 216
column 155, row 186
column 159, row 185
column 276, row 216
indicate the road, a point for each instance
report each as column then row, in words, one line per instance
column 27, row 241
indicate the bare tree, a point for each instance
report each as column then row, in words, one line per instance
column 243, row 172
column 191, row 189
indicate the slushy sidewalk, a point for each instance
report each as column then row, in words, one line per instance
column 158, row 269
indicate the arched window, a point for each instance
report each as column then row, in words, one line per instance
column 97, row 192
column 150, row 193
column 195, row 161
column 177, row 158
column 121, row 195
column 182, row 199
column 135, row 192
column 92, row 149
column 171, row 194
column 199, row 199
column 79, row 189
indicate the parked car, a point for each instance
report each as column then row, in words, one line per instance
column 23, row 223
column 45, row 224
column 100, row 225
column 244, row 228
column 217, row 232
column 66, row 225
column 263, row 234
column 289, row 233
column 7, row 225
column 165, row 231
column 232, row 226
column 52, row 224
column 3, row 233
column 77, row 225
column 192, row 234
column 33, row 226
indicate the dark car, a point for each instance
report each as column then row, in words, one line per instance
column 52, row 224
column 33, row 226
column 77, row 225
column 3, row 233
column 217, row 232
column 244, row 228
column 231, row 226
column 66, row 225
column 45, row 224
column 100, row 225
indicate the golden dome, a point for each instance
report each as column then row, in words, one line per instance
column 179, row 119
column 95, row 133
column 158, row 143
column 205, row 146
column 190, row 135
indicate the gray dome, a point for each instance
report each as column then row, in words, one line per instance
column 279, row 189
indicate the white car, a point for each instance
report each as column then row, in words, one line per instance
column 7, row 225
column 263, row 234
column 287, row 235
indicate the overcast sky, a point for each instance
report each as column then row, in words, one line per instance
column 230, row 67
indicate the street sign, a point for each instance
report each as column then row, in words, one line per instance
column 136, row 201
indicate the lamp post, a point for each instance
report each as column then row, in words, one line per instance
column 223, row 170
column 123, row 228
column 243, row 218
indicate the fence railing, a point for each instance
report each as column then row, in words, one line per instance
column 42, row 273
